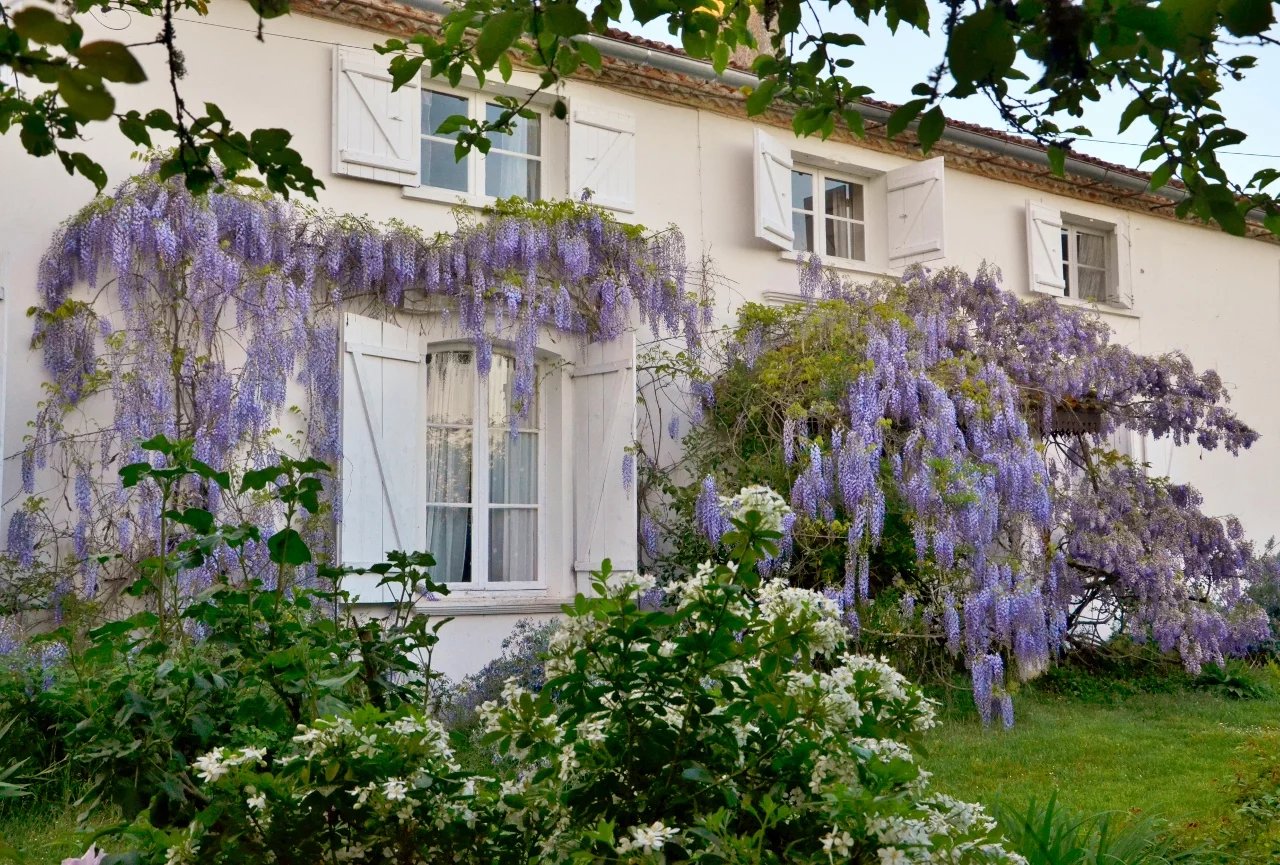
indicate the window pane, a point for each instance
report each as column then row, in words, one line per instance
column 440, row 169
column 846, row 239
column 1066, row 245
column 438, row 106
column 802, row 225
column 1093, row 283
column 525, row 137
column 843, row 198
column 450, row 387
column 802, row 190
column 513, row 545
column 502, row 377
column 1093, row 250
column 513, row 468
column 505, row 176
column 449, row 540
column 448, row 465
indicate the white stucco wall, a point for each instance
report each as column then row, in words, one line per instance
column 1214, row 296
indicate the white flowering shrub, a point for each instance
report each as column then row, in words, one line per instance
column 727, row 725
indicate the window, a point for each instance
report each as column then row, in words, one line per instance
column 513, row 165
column 482, row 482
column 1084, row 263
column 832, row 223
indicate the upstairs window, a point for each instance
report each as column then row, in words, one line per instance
column 828, row 215
column 513, row 165
column 1084, row 263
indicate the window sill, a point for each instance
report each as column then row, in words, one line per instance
column 450, row 197
column 843, row 264
column 1101, row 308
column 481, row 603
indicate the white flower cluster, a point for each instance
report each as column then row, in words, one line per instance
column 802, row 608
column 759, row 498
column 647, row 839
column 218, row 762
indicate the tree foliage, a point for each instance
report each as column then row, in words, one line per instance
column 1170, row 58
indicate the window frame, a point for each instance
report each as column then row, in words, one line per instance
column 477, row 103
column 819, row 175
column 480, row 451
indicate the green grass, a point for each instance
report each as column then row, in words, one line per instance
column 1161, row 755
column 40, row 832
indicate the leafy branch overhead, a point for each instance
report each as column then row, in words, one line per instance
column 1042, row 63
column 54, row 85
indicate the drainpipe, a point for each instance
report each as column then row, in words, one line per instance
column 736, row 78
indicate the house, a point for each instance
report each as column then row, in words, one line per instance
column 658, row 139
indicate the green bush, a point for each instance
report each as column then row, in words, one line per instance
column 725, row 726
column 137, row 700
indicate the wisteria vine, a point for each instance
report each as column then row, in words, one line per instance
column 937, row 401
column 209, row 317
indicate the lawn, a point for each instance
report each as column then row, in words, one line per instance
column 1164, row 755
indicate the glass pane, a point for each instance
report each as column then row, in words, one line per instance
column 843, row 198
column 513, row 545
column 846, row 239
column 801, row 190
column 1093, row 283
column 450, row 387
column 525, row 137
column 1093, row 250
column 440, row 169
column 1066, row 245
column 502, row 377
column 436, row 107
column 449, row 540
column 802, row 225
column 505, row 176
column 513, row 468
column 448, row 465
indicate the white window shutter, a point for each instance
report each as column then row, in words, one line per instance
column 604, row 416
column 1044, row 249
column 773, row 191
column 916, row 211
column 383, row 446
column 602, row 157
column 375, row 128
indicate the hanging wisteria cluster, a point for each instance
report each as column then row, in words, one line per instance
column 937, row 400
column 207, row 318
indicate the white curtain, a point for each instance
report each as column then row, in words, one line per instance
column 450, row 420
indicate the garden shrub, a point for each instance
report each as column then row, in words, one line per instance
column 135, row 701
column 725, row 725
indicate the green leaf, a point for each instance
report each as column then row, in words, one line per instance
column 86, row 97
column 981, row 47
column 1272, row 223
column 498, row 35
column 135, row 129
column 90, row 170
column 1161, row 175
column 930, row 129
column 41, row 25
column 1057, row 155
column 270, row 8
column 759, row 98
column 286, row 547
column 112, row 61
column 565, row 20
column 902, row 116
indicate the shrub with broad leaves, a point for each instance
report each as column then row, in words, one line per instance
column 725, row 725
